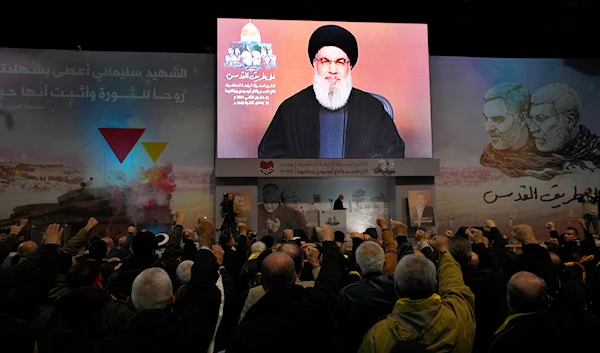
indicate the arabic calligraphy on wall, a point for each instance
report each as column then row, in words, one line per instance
column 332, row 168
column 316, row 168
column 248, row 90
column 89, row 90
column 107, row 71
column 526, row 193
column 100, row 94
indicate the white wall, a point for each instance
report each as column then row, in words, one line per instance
column 365, row 198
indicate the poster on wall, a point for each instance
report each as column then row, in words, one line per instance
column 235, row 208
column 420, row 208
column 308, row 89
column 278, row 211
column 123, row 137
column 243, row 205
column 518, row 143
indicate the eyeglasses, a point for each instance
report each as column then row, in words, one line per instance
column 338, row 62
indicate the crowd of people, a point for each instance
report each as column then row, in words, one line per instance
column 461, row 291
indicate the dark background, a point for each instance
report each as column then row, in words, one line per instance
column 509, row 28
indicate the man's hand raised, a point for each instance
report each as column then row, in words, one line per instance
column 312, row 255
column 190, row 234
column 524, row 234
column 179, row 217
column 288, row 234
column 325, row 232
column 53, row 234
column 439, row 243
column 91, row 223
column 243, row 228
column 219, row 253
column 399, row 228
column 476, row 236
column 421, row 235
column 381, row 222
column 206, row 232
column 357, row 235
column 17, row 228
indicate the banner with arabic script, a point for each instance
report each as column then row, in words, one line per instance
column 124, row 137
column 274, row 168
column 518, row 140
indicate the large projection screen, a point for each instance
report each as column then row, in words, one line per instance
column 307, row 89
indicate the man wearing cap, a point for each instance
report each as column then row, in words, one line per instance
column 330, row 118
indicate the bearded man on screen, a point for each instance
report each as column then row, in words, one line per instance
column 555, row 124
column 330, row 118
column 512, row 149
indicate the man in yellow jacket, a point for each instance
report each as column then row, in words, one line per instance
column 443, row 322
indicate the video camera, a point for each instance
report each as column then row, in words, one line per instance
column 225, row 204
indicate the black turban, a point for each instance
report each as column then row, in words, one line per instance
column 334, row 36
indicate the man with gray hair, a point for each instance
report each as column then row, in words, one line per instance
column 184, row 274
column 258, row 247
column 555, row 124
column 189, row 325
column 152, row 290
column 443, row 322
column 506, row 110
column 512, row 150
column 363, row 303
column 249, row 276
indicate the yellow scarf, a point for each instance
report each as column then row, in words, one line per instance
column 355, row 273
column 254, row 255
column 587, row 258
column 573, row 263
column 514, row 316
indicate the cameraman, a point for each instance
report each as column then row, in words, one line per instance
column 228, row 215
column 590, row 208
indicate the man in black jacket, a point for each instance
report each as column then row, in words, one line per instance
column 287, row 307
column 159, row 329
column 560, row 320
column 363, row 303
column 83, row 316
column 339, row 203
column 486, row 281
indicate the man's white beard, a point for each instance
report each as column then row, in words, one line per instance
column 332, row 98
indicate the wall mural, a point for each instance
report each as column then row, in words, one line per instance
column 94, row 134
column 518, row 142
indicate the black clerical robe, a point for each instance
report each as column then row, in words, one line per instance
column 294, row 130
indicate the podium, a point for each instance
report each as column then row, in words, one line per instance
column 335, row 218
